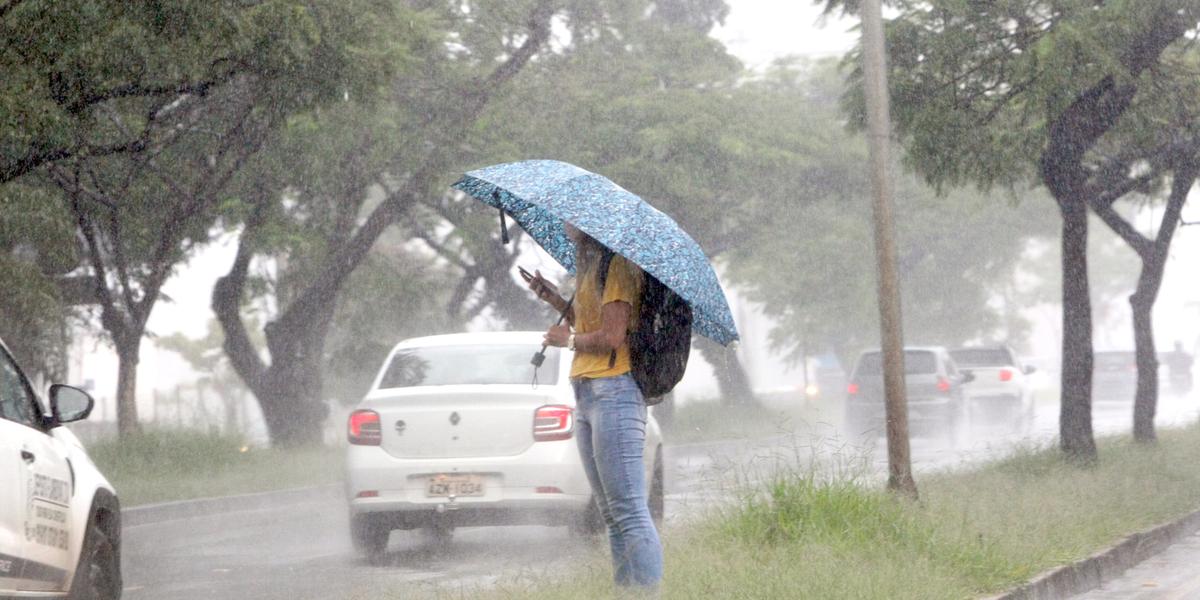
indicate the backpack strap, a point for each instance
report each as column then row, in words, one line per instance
column 606, row 258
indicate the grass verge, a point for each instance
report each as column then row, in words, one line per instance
column 705, row 421
column 162, row 465
column 973, row 533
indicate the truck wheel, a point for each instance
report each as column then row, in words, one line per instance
column 370, row 538
column 657, row 491
column 99, row 574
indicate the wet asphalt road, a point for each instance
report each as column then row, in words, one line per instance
column 301, row 551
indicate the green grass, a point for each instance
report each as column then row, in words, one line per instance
column 709, row 420
column 973, row 534
column 162, row 465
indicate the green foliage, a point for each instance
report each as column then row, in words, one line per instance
column 810, row 261
column 395, row 294
column 36, row 246
column 67, row 64
column 975, row 87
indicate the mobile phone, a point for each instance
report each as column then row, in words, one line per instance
column 526, row 275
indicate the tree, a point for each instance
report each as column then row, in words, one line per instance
column 957, row 255
column 138, row 221
column 399, row 291
column 37, row 250
column 1153, row 253
column 1020, row 91
column 141, row 210
column 403, row 154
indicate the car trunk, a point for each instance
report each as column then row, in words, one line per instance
column 987, row 381
column 459, row 421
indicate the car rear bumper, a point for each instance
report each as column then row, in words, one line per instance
column 544, row 485
column 550, row 511
column 918, row 408
column 996, row 407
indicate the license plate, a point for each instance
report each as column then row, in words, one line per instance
column 444, row 486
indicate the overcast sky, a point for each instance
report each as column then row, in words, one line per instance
column 758, row 31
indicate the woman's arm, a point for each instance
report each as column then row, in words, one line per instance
column 614, row 321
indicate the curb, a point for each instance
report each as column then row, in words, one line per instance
column 1091, row 572
column 146, row 514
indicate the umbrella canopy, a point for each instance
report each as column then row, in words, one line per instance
column 543, row 194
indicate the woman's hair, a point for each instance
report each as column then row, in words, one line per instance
column 587, row 254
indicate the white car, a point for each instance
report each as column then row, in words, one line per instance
column 60, row 522
column 455, row 431
column 1002, row 392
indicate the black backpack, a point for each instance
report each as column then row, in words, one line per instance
column 659, row 348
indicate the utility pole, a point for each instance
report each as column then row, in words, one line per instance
column 900, row 479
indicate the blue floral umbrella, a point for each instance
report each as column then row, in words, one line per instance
column 542, row 194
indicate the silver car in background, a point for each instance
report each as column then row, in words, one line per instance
column 934, row 387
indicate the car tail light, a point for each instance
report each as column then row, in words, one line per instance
column 1006, row 374
column 943, row 384
column 852, row 389
column 553, row 422
column 364, row 428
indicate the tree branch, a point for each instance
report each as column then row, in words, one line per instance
column 227, row 302
column 400, row 201
column 7, row 7
column 1181, row 186
column 1140, row 243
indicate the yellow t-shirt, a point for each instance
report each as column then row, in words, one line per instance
column 624, row 284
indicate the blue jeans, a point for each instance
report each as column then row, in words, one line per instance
column 611, row 419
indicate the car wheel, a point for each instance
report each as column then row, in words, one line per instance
column 589, row 523
column 370, row 538
column 99, row 574
column 440, row 535
column 657, row 491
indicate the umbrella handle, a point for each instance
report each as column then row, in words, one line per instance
column 540, row 356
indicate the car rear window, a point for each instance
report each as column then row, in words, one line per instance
column 469, row 365
column 916, row 362
column 981, row 357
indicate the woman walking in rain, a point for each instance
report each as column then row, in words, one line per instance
column 610, row 412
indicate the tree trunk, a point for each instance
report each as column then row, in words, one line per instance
column 1075, row 420
column 1145, row 403
column 293, row 405
column 1154, row 263
column 733, row 384
column 128, row 351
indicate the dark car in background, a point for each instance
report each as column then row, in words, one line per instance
column 1114, row 376
column 934, row 385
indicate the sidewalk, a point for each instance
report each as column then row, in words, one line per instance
column 1172, row 575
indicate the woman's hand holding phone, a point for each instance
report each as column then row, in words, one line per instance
column 546, row 292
